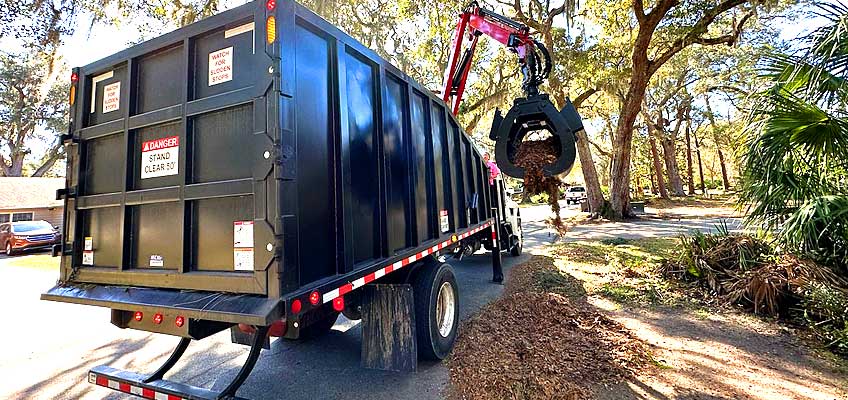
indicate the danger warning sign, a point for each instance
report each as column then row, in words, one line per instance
column 160, row 157
column 111, row 97
column 221, row 66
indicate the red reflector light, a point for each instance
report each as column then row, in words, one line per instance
column 180, row 321
column 314, row 297
column 338, row 304
column 157, row 319
column 295, row 306
column 138, row 316
column 271, row 5
column 75, row 77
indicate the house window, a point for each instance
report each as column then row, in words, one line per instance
column 5, row 218
column 22, row 216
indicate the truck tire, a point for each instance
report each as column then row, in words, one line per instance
column 436, row 297
column 517, row 246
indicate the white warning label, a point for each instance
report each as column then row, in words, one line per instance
column 89, row 243
column 157, row 260
column 221, row 66
column 243, row 234
column 444, row 222
column 88, row 257
column 243, row 259
column 111, row 97
column 159, row 157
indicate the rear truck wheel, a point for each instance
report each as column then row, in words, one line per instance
column 516, row 245
column 436, row 297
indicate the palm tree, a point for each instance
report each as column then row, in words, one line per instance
column 795, row 162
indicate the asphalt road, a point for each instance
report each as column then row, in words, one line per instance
column 46, row 348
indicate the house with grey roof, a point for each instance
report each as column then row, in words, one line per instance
column 30, row 199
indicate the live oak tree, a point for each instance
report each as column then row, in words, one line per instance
column 663, row 29
column 33, row 107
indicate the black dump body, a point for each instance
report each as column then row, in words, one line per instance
column 219, row 175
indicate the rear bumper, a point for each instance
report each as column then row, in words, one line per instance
column 209, row 306
column 133, row 383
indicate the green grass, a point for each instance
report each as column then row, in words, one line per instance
column 660, row 364
column 622, row 270
column 41, row 261
column 632, row 253
column 558, row 282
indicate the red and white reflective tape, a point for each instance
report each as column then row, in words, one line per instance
column 100, row 380
column 348, row 287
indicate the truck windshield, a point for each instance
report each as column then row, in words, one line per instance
column 29, row 226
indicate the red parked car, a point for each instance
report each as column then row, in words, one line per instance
column 27, row 235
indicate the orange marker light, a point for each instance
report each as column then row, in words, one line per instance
column 271, row 29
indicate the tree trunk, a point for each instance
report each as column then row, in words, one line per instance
column 17, row 165
column 651, row 174
column 670, row 155
column 689, row 172
column 594, row 195
column 700, row 164
column 623, row 143
column 658, row 171
column 590, row 175
column 725, row 182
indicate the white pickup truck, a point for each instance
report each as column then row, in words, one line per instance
column 575, row 194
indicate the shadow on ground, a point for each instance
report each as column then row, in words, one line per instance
column 728, row 355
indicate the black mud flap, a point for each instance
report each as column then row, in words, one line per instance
column 535, row 113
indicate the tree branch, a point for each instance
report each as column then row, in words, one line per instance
column 578, row 101
column 699, row 28
column 639, row 9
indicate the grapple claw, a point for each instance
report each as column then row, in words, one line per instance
column 531, row 114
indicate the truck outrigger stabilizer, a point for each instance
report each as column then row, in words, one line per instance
column 153, row 386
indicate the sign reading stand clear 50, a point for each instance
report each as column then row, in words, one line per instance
column 160, row 157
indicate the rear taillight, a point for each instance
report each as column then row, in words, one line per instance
column 138, row 316
column 180, row 321
column 157, row 319
column 338, row 304
column 314, row 297
column 295, row 306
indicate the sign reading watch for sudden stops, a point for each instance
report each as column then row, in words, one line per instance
column 160, row 157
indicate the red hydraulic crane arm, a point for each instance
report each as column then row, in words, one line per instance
column 475, row 21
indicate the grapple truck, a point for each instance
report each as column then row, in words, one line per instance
column 262, row 172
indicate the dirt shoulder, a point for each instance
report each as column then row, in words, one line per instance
column 653, row 343
column 720, row 356
column 692, row 207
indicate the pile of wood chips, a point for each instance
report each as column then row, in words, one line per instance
column 533, row 344
column 533, row 155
